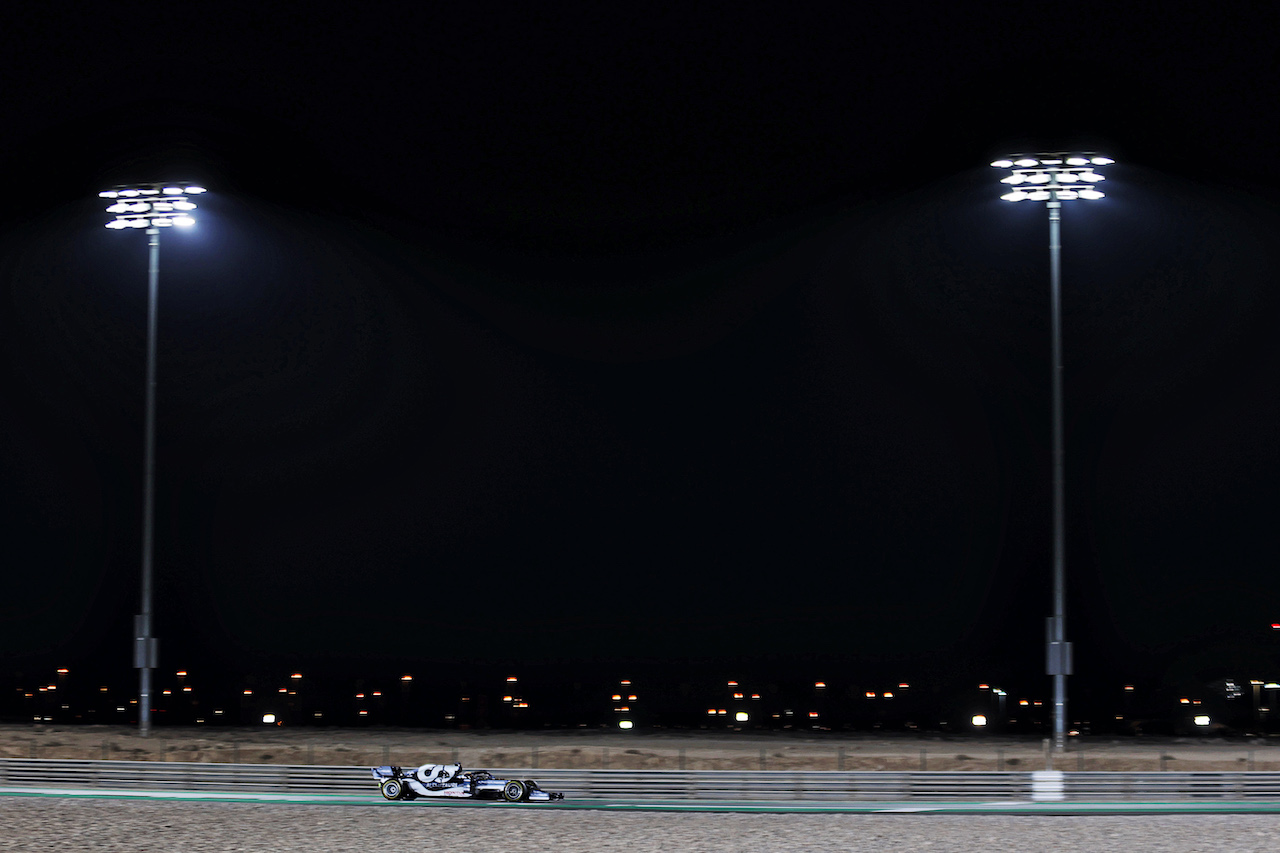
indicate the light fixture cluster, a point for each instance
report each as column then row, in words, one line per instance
column 151, row 205
column 1053, row 177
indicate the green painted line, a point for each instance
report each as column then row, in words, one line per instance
column 997, row 807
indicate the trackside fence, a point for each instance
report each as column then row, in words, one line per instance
column 678, row 785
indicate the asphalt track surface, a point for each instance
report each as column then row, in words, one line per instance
column 53, row 819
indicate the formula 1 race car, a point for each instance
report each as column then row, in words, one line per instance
column 449, row 781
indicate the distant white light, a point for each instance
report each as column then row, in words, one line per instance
column 1064, row 195
column 624, row 724
column 119, row 207
column 193, row 190
column 1026, row 161
column 1002, row 164
column 116, row 223
column 1202, row 720
column 1016, row 195
column 184, row 221
column 1101, row 161
column 130, row 193
column 149, row 191
column 742, row 716
column 1077, row 161
column 979, row 720
column 162, row 221
column 108, row 194
column 1015, row 178
column 139, row 223
column 1052, row 162
column 173, row 190
column 268, row 718
column 1038, row 178
column 1091, row 194
column 183, row 205
column 1092, row 177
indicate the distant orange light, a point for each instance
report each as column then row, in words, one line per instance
column 1184, row 701
column 182, row 673
column 813, row 715
column 167, row 692
column 511, row 679
column 248, row 693
column 819, row 684
column 522, row 705
column 617, row 697
column 358, row 695
column 63, row 671
column 506, row 699
column 904, row 685
column 625, row 682
column 888, row 695
column 722, row 712
column 364, row 713
column 737, row 696
column 1023, row 702
column 1037, row 703
column 295, row 675
column 186, row 690
column 377, row 693
column 283, row 690
column 755, row 695
column 871, row 694
column 631, row 697
column 1128, row 688
column 406, row 678
column 984, row 686
column 711, row 712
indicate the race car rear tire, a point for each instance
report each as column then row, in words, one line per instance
column 514, row 791
column 392, row 789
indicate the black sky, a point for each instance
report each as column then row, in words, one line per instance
column 683, row 331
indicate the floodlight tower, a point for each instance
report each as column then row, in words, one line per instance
column 1054, row 178
column 153, row 207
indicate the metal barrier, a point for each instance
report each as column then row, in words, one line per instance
column 701, row 785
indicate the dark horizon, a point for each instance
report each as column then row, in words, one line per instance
column 579, row 345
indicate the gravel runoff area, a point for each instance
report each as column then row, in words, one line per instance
column 63, row 824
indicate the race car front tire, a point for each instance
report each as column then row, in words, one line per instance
column 392, row 789
column 514, row 791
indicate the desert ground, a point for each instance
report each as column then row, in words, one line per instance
column 653, row 749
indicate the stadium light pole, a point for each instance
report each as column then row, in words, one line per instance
column 154, row 207
column 1053, row 178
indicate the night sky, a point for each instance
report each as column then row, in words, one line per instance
column 687, row 337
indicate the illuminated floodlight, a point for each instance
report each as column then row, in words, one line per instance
column 625, row 724
column 1040, row 195
column 742, row 716
column 1026, row 161
column 1092, row 194
column 979, row 720
column 1077, row 161
column 1202, row 720
column 137, row 198
column 268, row 718
column 133, row 206
column 1016, row 195
column 1101, row 161
column 1002, row 164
